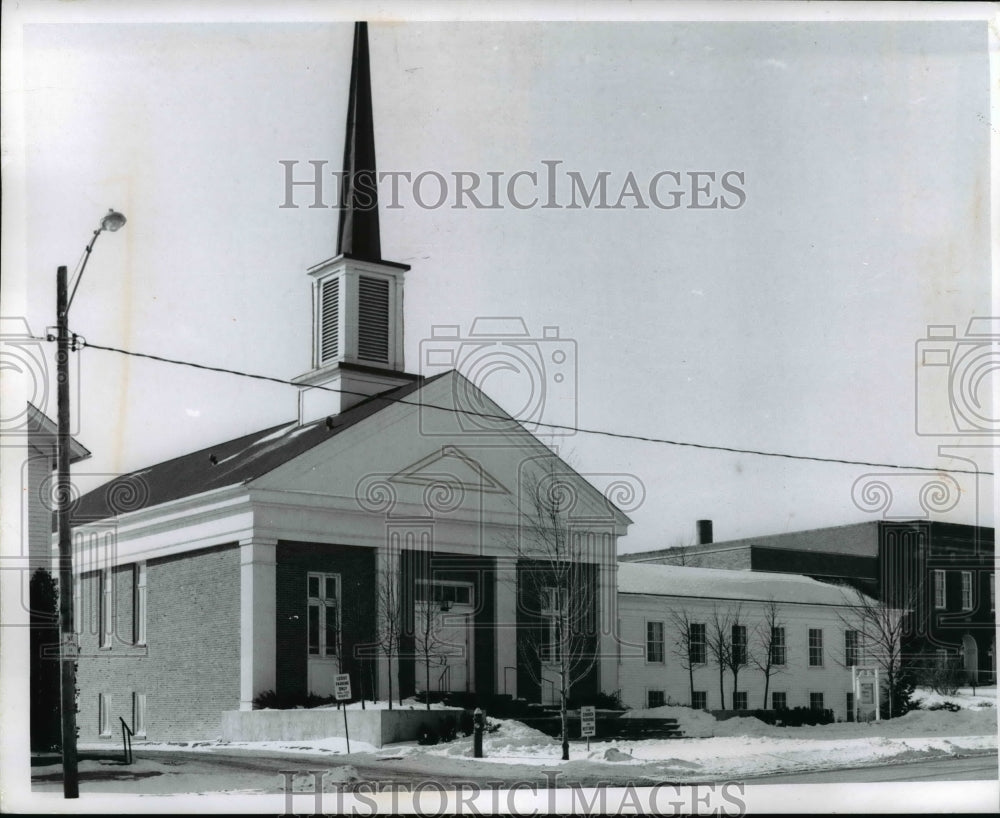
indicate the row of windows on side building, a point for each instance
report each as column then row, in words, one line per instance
column 741, row 701
column 699, row 645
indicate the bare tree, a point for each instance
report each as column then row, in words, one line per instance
column 768, row 652
column 881, row 629
column 389, row 618
column 683, row 647
column 719, row 633
column 736, row 653
column 426, row 633
column 684, row 555
column 557, row 579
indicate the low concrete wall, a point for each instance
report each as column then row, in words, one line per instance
column 376, row 727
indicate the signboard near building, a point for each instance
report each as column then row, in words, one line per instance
column 588, row 723
column 342, row 687
column 867, row 702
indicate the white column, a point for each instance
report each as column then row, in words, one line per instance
column 258, row 641
column 506, row 625
column 607, row 600
column 386, row 570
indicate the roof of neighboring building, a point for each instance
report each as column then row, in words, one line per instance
column 225, row 464
column 859, row 539
column 42, row 426
column 720, row 583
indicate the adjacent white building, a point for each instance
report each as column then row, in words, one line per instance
column 676, row 622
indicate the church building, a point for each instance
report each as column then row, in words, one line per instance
column 381, row 515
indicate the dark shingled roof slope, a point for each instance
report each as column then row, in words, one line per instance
column 225, row 464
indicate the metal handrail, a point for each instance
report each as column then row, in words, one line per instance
column 444, row 673
column 126, row 740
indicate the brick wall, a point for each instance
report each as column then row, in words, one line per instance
column 736, row 558
column 189, row 670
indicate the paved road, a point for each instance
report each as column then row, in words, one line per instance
column 178, row 771
column 975, row 768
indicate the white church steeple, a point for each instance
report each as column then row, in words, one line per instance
column 357, row 296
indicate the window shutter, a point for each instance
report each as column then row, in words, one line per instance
column 329, row 320
column 373, row 319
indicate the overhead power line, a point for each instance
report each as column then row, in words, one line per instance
column 553, row 426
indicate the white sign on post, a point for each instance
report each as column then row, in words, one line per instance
column 342, row 686
column 342, row 692
column 588, row 722
column 866, row 692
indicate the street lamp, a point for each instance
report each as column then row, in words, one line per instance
column 69, row 649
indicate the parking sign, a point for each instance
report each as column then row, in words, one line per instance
column 588, row 722
column 342, row 687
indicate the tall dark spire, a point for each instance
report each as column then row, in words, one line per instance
column 358, row 233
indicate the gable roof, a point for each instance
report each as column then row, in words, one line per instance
column 43, row 433
column 722, row 583
column 232, row 462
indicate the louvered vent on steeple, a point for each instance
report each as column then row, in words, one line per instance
column 373, row 315
column 329, row 320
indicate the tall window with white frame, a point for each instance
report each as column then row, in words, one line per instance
column 104, row 714
column 698, row 644
column 553, row 610
column 139, row 603
column 815, row 647
column 106, row 626
column 739, row 645
column 779, row 700
column 778, row 652
column 324, row 615
column 78, row 603
column 967, row 590
column 654, row 643
column 940, row 598
column 851, row 653
column 139, row 714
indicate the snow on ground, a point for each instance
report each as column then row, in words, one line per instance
column 739, row 747
column 963, row 697
column 382, row 704
column 978, row 716
column 336, row 745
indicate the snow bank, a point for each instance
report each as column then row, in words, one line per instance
column 383, row 704
column 699, row 724
column 984, row 697
column 971, row 721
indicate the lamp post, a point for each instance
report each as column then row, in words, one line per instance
column 69, row 649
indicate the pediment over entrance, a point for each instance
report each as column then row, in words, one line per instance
column 450, row 466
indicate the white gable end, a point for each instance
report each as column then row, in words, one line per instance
column 417, row 459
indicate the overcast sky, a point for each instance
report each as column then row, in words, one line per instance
column 789, row 323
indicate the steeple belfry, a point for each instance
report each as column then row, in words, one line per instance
column 357, row 296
